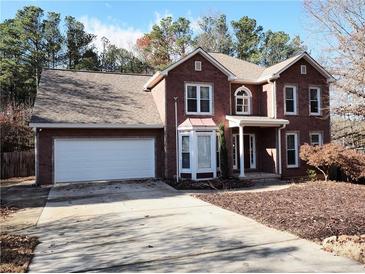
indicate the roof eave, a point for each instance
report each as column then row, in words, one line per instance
column 94, row 125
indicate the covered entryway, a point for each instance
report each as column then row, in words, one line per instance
column 90, row 159
column 246, row 149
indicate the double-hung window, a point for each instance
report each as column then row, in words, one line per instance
column 292, row 149
column 314, row 101
column 316, row 138
column 185, row 152
column 198, row 98
column 290, row 94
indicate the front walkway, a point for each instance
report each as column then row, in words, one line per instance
column 115, row 227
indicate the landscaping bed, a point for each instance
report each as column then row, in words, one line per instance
column 312, row 210
column 216, row 184
column 16, row 252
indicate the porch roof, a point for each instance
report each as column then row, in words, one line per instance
column 203, row 123
column 255, row 121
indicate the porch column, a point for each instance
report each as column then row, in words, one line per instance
column 242, row 155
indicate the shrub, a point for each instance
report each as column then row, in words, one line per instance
column 351, row 162
column 223, row 158
column 312, row 174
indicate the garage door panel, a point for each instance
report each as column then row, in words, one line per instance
column 103, row 159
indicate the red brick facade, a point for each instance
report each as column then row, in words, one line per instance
column 46, row 138
column 302, row 123
column 173, row 86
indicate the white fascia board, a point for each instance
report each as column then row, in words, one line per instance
column 69, row 125
column 197, row 128
column 253, row 121
column 153, row 80
column 211, row 59
column 257, row 81
column 310, row 60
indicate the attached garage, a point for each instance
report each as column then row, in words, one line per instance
column 96, row 126
column 81, row 159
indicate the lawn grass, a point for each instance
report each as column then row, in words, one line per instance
column 311, row 210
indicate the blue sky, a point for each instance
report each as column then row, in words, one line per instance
column 124, row 21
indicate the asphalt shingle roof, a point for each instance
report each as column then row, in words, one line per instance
column 242, row 69
column 66, row 96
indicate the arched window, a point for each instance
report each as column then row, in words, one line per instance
column 243, row 100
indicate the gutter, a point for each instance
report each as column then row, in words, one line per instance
column 92, row 125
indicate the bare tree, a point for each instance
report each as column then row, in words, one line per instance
column 341, row 23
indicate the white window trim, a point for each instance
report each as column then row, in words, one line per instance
column 198, row 98
column 303, row 69
column 193, row 149
column 251, row 146
column 320, row 137
column 184, row 170
column 198, row 65
column 249, row 97
column 295, row 112
column 213, row 150
column 318, row 100
column 296, row 149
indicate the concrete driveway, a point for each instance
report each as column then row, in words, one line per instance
column 147, row 226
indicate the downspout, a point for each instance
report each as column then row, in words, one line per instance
column 36, row 156
column 279, row 149
column 177, row 142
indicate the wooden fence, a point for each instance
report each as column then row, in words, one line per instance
column 17, row 164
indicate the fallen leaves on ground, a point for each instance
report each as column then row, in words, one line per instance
column 16, row 252
column 6, row 211
column 312, row 210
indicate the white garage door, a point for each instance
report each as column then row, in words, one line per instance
column 103, row 159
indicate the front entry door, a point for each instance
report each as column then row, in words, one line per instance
column 249, row 151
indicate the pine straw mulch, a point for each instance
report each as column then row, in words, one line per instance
column 16, row 252
column 214, row 184
column 312, row 210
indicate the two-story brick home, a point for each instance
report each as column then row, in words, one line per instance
column 106, row 126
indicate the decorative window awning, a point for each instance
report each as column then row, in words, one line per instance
column 255, row 121
column 198, row 123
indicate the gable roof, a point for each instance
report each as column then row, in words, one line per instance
column 239, row 70
column 161, row 74
column 275, row 70
column 91, row 99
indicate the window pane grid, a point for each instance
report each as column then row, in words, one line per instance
column 314, row 100
column 198, row 99
column 291, row 149
column 290, row 100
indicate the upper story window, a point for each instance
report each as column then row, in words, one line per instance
column 290, row 94
column 198, row 99
column 314, row 101
column 303, row 69
column 243, row 100
column 198, row 65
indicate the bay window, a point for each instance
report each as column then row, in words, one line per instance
column 204, row 152
column 198, row 153
column 185, row 152
column 198, row 98
column 292, row 149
